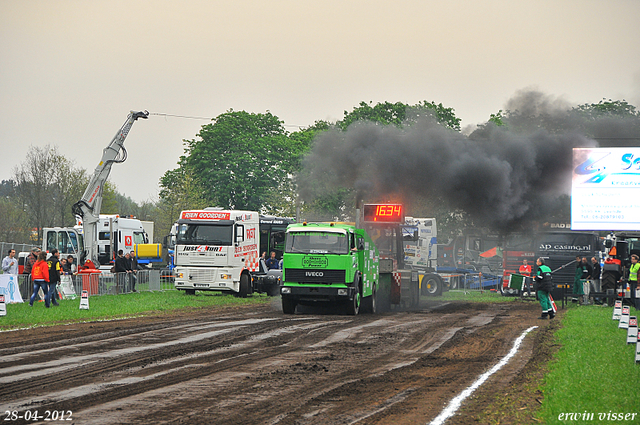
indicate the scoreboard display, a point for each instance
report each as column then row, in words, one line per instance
column 383, row 213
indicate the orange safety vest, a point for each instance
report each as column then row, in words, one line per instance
column 525, row 270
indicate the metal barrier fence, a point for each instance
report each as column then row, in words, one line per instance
column 19, row 247
column 109, row 283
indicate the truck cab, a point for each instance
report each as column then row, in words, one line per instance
column 329, row 263
column 115, row 233
column 67, row 240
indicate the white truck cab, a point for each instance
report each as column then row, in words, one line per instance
column 216, row 250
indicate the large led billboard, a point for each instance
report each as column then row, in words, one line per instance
column 605, row 191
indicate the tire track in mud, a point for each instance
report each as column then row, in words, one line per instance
column 262, row 368
column 234, row 393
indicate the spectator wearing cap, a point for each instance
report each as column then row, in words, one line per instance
column 31, row 260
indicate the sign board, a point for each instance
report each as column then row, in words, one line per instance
column 605, row 189
column 10, row 288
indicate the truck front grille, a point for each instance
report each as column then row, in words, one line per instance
column 314, row 276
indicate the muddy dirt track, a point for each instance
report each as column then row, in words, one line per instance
column 255, row 365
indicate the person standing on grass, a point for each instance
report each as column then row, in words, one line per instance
column 40, row 276
column 9, row 263
column 133, row 264
column 31, row 260
column 54, row 275
column 595, row 278
column 120, row 270
column 544, row 288
column 578, row 280
column 634, row 280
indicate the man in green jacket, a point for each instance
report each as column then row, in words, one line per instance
column 578, row 280
column 543, row 278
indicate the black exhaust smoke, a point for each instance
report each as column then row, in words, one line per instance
column 498, row 175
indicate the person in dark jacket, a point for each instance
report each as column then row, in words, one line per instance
column 543, row 277
column 133, row 266
column 122, row 270
column 31, row 260
column 272, row 262
column 595, row 278
column 54, row 275
column 578, row 280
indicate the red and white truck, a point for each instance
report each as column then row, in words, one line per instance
column 218, row 250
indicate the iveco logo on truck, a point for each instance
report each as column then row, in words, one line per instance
column 314, row 274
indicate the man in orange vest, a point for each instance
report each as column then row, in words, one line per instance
column 525, row 269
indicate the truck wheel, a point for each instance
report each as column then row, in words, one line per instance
column 245, row 286
column 353, row 306
column 370, row 303
column 433, row 285
column 609, row 281
column 288, row 306
column 273, row 290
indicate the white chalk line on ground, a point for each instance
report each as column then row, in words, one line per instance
column 454, row 404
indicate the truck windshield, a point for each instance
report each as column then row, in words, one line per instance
column 317, row 243
column 207, row 234
column 138, row 237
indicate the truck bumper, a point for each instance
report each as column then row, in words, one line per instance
column 318, row 293
column 205, row 279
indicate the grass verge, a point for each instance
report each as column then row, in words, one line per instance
column 593, row 373
column 477, row 296
column 116, row 306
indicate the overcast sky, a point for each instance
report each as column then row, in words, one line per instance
column 70, row 71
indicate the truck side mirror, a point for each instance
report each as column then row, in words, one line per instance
column 360, row 244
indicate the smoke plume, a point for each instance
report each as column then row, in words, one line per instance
column 498, row 175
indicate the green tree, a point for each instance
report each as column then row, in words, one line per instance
column 399, row 114
column 47, row 185
column 241, row 160
column 179, row 191
column 607, row 108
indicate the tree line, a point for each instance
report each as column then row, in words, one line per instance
column 245, row 160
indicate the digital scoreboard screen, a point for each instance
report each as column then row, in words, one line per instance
column 605, row 193
column 383, row 213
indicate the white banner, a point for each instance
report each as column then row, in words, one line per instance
column 10, row 288
column 605, row 190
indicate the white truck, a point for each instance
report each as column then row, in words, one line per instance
column 420, row 239
column 218, row 250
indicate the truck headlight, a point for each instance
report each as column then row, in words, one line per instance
column 180, row 275
column 342, row 291
column 285, row 290
column 225, row 276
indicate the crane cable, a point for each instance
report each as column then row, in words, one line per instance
column 205, row 118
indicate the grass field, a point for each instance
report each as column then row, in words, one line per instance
column 478, row 296
column 593, row 373
column 116, row 306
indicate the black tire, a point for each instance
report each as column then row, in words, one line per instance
column 190, row 291
column 370, row 303
column 609, row 281
column 353, row 306
column 245, row 286
column 432, row 285
column 273, row 290
column 288, row 305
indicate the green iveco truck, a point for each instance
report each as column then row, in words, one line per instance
column 330, row 263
